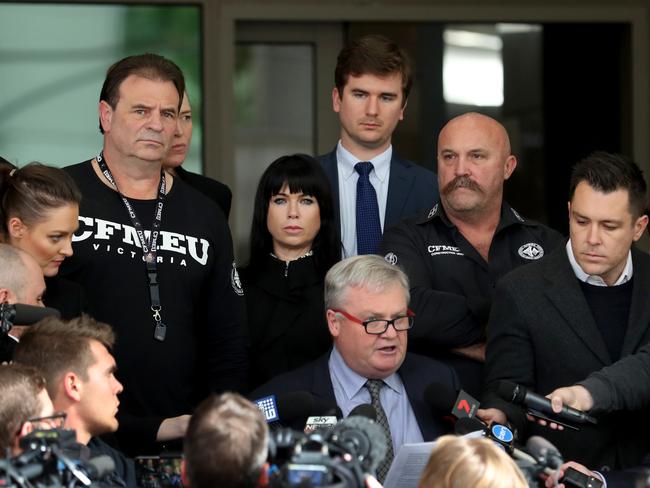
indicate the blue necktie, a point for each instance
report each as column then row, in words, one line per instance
column 368, row 224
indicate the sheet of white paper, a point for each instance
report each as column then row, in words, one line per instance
column 410, row 461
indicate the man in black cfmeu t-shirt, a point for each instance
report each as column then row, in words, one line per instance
column 155, row 259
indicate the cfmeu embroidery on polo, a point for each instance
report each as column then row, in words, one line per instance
column 532, row 250
column 235, row 282
column 391, row 257
column 439, row 250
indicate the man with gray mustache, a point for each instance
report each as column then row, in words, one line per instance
column 456, row 253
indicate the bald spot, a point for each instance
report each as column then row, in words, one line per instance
column 474, row 131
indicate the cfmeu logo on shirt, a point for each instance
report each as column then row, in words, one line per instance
column 532, row 250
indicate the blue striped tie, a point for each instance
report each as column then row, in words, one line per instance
column 368, row 224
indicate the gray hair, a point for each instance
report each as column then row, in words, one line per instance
column 369, row 271
column 13, row 271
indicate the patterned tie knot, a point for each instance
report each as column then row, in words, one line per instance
column 364, row 168
column 374, row 387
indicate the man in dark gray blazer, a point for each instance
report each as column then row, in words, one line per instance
column 581, row 308
column 373, row 80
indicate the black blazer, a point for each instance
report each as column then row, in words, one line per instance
column 213, row 189
column 542, row 335
column 411, row 188
column 416, row 372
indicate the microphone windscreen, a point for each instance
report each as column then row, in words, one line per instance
column 465, row 425
column 296, row 405
column 540, row 448
column 363, row 438
column 30, row 314
column 100, row 466
column 440, row 397
column 364, row 410
column 507, row 390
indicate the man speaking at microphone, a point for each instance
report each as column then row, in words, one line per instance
column 366, row 300
column 580, row 309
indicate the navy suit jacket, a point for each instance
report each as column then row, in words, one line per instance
column 411, row 188
column 416, row 372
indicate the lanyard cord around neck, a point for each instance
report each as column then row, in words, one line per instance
column 148, row 245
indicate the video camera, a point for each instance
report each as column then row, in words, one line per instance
column 44, row 463
column 339, row 457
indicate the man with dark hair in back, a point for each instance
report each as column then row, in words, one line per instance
column 226, row 444
column 155, row 259
column 581, row 308
column 23, row 403
column 79, row 370
column 373, row 187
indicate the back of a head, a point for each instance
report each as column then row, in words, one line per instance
column 13, row 270
column 374, row 55
column 20, row 386
column 55, row 346
column 458, row 462
column 226, row 443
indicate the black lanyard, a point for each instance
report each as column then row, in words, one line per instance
column 148, row 246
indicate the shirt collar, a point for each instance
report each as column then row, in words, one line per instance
column 351, row 381
column 346, row 161
column 508, row 216
column 626, row 275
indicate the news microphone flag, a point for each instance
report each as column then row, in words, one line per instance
column 269, row 408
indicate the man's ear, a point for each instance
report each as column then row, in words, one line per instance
column 5, row 295
column 72, row 386
column 511, row 164
column 333, row 322
column 336, row 100
column 105, row 115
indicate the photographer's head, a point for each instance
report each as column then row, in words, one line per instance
column 23, row 401
column 225, row 444
column 458, row 462
column 79, row 370
column 21, row 278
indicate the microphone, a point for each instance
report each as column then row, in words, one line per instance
column 364, row 410
column 99, row 466
column 21, row 314
column 286, row 407
column 444, row 400
column 537, row 404
column 544, row 452
column 363, row 438
column 501, row 435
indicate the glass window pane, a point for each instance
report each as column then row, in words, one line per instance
column 274, row 116
column 53, row 59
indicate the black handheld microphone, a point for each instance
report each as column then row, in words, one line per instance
column 20, row 314
column 364, row 410
column 519, row 395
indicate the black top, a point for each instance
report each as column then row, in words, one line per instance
column 451, row 284
column 202, row 302
column 610, row 307
column 286, row 318
column 216, row 191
